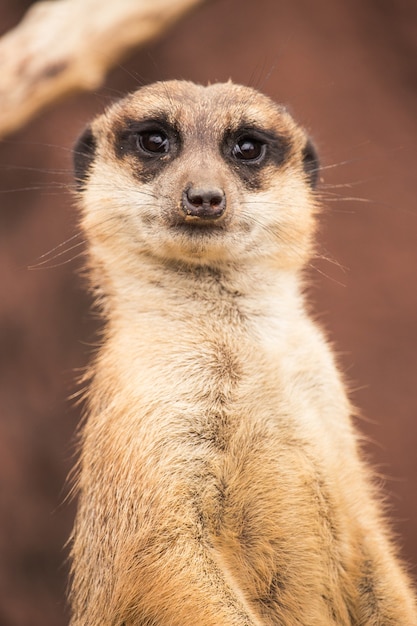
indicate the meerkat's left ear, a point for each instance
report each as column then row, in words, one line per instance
column 83, row 156
column 311, row 163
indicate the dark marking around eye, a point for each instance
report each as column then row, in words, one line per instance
column 250, row 149
column 83, row 156
column 311, row 163
column 146, row 139
column 152, row 143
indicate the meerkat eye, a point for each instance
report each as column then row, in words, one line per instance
column 153, row 142
column 248, row 149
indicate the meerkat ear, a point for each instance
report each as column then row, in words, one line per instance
column 311, row 163
column 83, row 156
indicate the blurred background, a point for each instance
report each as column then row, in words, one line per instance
column 347, row 70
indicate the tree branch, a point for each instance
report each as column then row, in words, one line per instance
column 67, row 45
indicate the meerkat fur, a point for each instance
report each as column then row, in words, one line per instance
column 220, row 479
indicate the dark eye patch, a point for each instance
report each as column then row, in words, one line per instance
column 248, row 149
column 152, row 143
column 146, row 138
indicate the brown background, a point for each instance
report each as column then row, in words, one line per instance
column 347, row 68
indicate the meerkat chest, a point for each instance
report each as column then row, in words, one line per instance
column 225, row 368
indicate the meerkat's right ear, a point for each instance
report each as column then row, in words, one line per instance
column 311, row 163
column 83, row 156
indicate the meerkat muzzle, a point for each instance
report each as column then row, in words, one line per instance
column 206, row 203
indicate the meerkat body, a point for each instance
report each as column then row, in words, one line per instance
column 219, row 482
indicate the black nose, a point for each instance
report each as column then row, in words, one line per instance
column 207, row 203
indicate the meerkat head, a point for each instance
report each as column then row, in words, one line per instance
column 198, row 175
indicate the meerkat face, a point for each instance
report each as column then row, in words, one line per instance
column 201, row 175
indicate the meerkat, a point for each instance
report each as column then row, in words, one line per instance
column 220, row 481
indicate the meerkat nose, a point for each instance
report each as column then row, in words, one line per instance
column 207, row 203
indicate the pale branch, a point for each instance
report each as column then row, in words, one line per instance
column 67, row 45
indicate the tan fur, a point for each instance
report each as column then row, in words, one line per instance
column 220, row 482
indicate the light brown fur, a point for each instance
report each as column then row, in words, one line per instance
column 220, row 481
